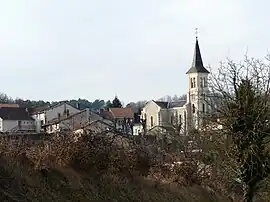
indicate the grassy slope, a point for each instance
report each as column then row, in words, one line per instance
column 21, row 183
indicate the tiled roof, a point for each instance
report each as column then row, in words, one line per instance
column 122, row 112
column 15, row 113
column 106, row 114
column 9, row 105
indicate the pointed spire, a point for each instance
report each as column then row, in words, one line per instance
column 197, row 64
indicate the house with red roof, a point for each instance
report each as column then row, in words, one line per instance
column 123, row 119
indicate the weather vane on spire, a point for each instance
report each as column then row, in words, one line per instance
column 196, row 33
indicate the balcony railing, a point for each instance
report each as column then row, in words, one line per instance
column 23, row 128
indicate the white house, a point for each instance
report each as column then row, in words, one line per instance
column 16, row 119
column 73, row 122
column 137, row 129
column 187, row 113
column 44, row 115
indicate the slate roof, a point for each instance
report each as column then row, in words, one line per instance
column 15, row 113
column 162, row 104
column 177, row 104
column 168, row 105
column 197, row 64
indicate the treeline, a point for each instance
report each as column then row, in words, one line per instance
column 81, row 103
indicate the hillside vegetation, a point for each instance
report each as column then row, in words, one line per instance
column 93, row 168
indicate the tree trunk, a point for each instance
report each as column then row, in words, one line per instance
column 248, row 193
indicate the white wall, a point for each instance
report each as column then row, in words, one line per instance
column 137, row 128
column 195, row 97
column 151, row 109
column 39, row 119
column 1, row 124
column 53, row 112
column 75, row 122
column 8, row 125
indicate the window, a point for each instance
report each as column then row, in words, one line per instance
column 159, row 119
column 193, row 108
column 203, row 107
column 192, row 83
column 171, row 119
column 180, row 119
column 204, row 82
column 59, row 115
column 203, row 96
column 201, row 82
column 67, row 112
column 152, row 121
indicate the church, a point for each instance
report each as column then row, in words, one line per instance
column 187, row 114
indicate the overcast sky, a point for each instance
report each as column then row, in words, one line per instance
column 139, row 50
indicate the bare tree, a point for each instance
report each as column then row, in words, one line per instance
column 242, row 93
column 175, row 98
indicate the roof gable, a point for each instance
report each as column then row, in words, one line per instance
column 46, row 107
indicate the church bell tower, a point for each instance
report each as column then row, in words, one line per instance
column 198, row 90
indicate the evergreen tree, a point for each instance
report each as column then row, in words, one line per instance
column 116, row 103
column 249, row 131
column 243, row 110
column 108, row 104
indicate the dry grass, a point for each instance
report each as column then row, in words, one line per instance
column 95, row 168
